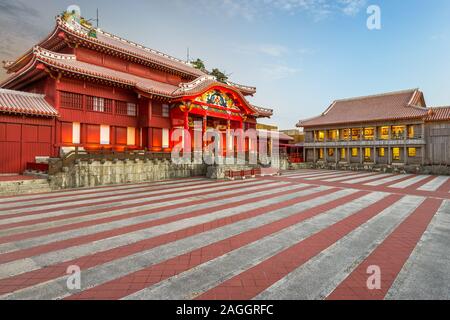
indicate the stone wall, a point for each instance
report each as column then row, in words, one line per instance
column 107, row 172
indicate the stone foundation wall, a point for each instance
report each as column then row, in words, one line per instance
column 106, row 172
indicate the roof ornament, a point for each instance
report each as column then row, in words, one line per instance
column 73, row 19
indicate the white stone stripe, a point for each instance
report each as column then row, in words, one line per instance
column 387, row 180
column 318, row 277
column 409, row 182
column 36, row 262
column 94, row 190
column 40, row 226
column 426, row 276
column 331, row 175
column 73, row 198
column 118, row 268
column 380, row 176
column 212, row 273
column 434, row 184
column 316, row 175
column 351, row 176
column 145, row 196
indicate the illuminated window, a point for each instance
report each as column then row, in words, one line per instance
column 321, row 136
column 412, row 152
column 356, row 134
column 354, row 152
column 369, row 133
column 346, row 134
column 131, row 136
column 104, row 134
column 396, row 153
column 398, row 132
column 333, row 135
column 367, row 154
column 165, row 138
column 165, row 110
column 411, row 132
column 381, row 152
column 330, row 152
column 76, row 133
column 343, row 153
column 320, row 153
column 384, row 133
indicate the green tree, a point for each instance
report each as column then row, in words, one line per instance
column 199, row 64
column 220, row 76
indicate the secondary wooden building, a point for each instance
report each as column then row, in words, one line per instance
column 389, row 129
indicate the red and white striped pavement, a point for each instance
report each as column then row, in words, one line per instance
column 308, row 234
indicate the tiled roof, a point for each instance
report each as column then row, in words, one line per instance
column 25, row 103
column 388, row 106
column 69, row 62
column 117, row 43
column 438, row 114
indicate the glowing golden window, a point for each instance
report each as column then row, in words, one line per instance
column 330, row 152
column 369, row 133
column 321, row 135
column 320, row 153
column 381, row 152
column 396, row 153
column 411, row 132
column 412, row 152
column 367, row 153
column 356, row 134
column 384, row 133
column 343, row 153
column 354, row 152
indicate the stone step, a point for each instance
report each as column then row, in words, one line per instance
column 8, row 188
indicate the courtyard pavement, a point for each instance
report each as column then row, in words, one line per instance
column 307, row 234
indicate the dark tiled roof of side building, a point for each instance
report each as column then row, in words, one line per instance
column 388, row 106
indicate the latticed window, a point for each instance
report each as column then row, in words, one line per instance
column 126, row 108
column 131, row 109
column 165, row 110
column 99, row 104
column 71, row 100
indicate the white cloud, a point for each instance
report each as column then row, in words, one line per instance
column 273, row 50
column 277, row 71
column 252, row 9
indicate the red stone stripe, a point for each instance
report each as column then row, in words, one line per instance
column 132, row 191
column 390, row 256
column 25, row 253
column 198, row 187
column 35, row 277
column 83, row 224
column 253, row 281
column 141, row 279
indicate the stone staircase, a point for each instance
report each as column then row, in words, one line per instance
column 23, row 186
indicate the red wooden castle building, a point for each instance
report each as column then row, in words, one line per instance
column 83, row 87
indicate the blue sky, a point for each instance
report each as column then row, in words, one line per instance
column 300, row 54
